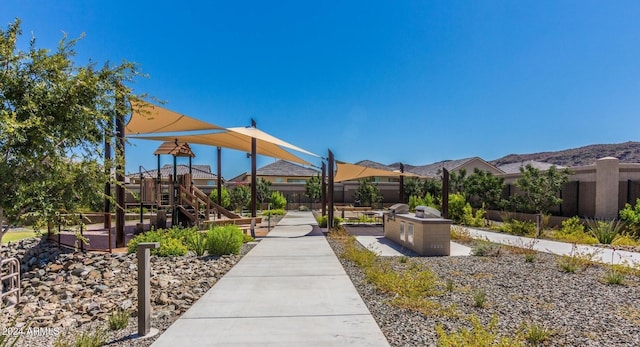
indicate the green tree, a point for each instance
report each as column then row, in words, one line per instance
column 313, row 188
column 240, row 197
column 413, row 187
column 482, row 187
column 457, row 181
column 54, row 115
column 433, row 187
column 367, row 193
column 539, row 190
column 630, row 215
column 278, row 201
column 263, row 190
column 226, row 199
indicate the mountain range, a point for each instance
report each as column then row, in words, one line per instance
column 627, row 152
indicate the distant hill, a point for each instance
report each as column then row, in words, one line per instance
column 628, row 152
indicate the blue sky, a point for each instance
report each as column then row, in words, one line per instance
column 410, row 81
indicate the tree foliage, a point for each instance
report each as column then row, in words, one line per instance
column 457, row 181
column 433, row 187
column 413, row 187
column 278, row 201
column 54, row 115
column 367, row 193
column 226, row 199
column 539, row 190
column 482, row 187
column 630, row 215
column 263, row 190
column 313, row 188
column 240, row 197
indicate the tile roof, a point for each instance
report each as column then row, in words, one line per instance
column 435, row 169
column 515, row 167
column 285, row 168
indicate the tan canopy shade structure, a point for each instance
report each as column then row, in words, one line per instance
column 232, row 140
column 148, row 118
column 348, row 172
column 261, row 135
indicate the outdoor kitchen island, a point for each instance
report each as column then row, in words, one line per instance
column 423, row 232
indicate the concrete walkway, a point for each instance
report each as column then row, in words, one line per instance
column 290, row 290
column 604, row 255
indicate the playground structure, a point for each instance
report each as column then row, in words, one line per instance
column 176, row 194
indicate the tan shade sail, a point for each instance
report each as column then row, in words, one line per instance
column 348, row 172
column 232, row 140
column 261, row 135
column 148, row 118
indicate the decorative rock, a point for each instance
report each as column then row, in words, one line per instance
column 79, row 291
column 101, row 288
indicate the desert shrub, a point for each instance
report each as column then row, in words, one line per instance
column 572, row 230
column 576, row 260
column 223, row 240
column 572, row 225
column 460, row 233
column 536, row 334
column 362, row 257
column 197, row 243
column 149, row 236
column 604, row 231
column 413, row 283
column 119, row 319
column 457, row 204
column 477, row 336
column 90, row 338
column 468, row 217
column 278, row 201
column 480, row 298
column 247, row 238
column 172, row 248
column 274, row 212
column 322, row 221
column 625, row 239
column 614, row 277
column 450, row 285
column 630, row 215
column 180, row 233
column 483, row 248
column 517, row 227
column 169, row 246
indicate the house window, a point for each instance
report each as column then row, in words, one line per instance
column 278, row 179
column 296, row 180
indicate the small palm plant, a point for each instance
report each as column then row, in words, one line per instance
column 605, row 231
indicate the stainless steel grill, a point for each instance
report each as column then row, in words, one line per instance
column 427, row 212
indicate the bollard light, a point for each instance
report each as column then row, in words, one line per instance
column 144, row 290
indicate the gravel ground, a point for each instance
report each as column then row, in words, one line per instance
column 580, row 308
column 66, row 294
